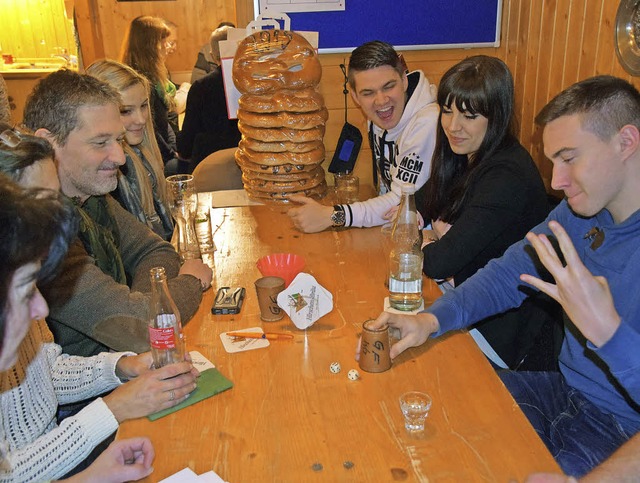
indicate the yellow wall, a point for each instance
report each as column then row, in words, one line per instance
column 35, row 28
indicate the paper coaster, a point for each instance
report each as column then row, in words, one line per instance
column 232, row 344
column 305, row 300
column 388, row 308
column 200, row 362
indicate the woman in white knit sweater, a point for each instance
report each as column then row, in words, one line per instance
column 35, row 377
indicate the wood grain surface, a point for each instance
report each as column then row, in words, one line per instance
column 289, row 419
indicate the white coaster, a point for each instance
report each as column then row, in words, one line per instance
column 200, row 362
column 388, row 308
column 232, row 344
column 305, row 300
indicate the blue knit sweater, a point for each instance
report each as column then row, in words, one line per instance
column 609, row 376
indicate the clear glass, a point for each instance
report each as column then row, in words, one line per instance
column 405, row 256
column 165, row 327
column 415, row 409
column 183, row 201
column 203, row 229
column 347, row 187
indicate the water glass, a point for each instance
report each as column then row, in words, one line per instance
column 347, row 187
column 182, row 202
column 415, row 408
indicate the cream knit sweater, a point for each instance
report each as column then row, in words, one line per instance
column 32, row 446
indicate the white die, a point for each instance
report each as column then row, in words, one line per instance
column 335, row 367
column 353, row 374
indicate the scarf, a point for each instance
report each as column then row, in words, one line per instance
column 100, row 236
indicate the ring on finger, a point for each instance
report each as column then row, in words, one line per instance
column 172, row 395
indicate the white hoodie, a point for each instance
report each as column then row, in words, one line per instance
column 407, row 148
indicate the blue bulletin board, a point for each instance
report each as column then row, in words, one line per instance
column 406, row 24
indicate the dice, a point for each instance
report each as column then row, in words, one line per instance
column 353, row 375
column 335, row 367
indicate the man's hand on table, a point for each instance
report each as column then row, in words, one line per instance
column 152, row 391
column 311, row 216
column 411, row 330
column 198, row 269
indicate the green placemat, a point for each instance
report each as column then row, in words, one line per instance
column 210, row 383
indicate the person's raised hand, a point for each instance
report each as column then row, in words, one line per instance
column 152, row 391
column 411, row 330
column 125, row 460
column 310, row 216
column 585, row 298
column 198, row 269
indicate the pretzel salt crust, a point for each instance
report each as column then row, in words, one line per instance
column 285, row 186
column 282, row 134
column 306, row 100
column 315, row 192
column 279, row 147
column 296, row 120
column 270, row 60
column 275, row 159
column 246, row 164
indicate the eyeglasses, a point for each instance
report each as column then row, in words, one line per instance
column 11, row 138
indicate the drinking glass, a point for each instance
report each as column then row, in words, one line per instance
column 183, row 201
column 415, row 408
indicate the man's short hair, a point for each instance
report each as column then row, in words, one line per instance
column 54, row 102
column 371, row 55
column 217, row 36
column 605, row 104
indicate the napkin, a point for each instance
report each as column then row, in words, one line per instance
column 305, row 300
column 210, row 383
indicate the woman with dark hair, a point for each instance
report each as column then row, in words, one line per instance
column 36, row 228
column 144, row 48
column 484, row 193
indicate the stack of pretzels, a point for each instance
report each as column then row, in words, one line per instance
column 281, row 116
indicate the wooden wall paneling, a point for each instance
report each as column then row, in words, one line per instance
column 89, row 27
column 591, row 37
column 547, row 44
column 243, row 12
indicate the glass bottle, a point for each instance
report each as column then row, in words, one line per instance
column 165, row 329
column 405, row 257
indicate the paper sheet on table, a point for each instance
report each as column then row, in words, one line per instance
column 187, row 475
column 226, row 198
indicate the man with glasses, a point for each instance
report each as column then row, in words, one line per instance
column 402, row 112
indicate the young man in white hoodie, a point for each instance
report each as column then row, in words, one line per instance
column 402, row 112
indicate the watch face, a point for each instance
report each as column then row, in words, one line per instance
column 337, row 218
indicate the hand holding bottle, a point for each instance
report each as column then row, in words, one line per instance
column 152, row 391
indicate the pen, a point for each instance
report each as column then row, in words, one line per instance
column 260, row 335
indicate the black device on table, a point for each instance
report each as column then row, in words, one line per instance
column 228, row 300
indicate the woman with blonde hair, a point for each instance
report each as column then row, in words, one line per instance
column 141, row 184
column 144, row 48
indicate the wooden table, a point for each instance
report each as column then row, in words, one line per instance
column 289, row 419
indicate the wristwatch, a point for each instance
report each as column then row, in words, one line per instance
column 337, row 217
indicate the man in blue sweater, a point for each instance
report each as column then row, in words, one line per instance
column 592, row 406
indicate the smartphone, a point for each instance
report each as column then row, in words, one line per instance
column 228, row 300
